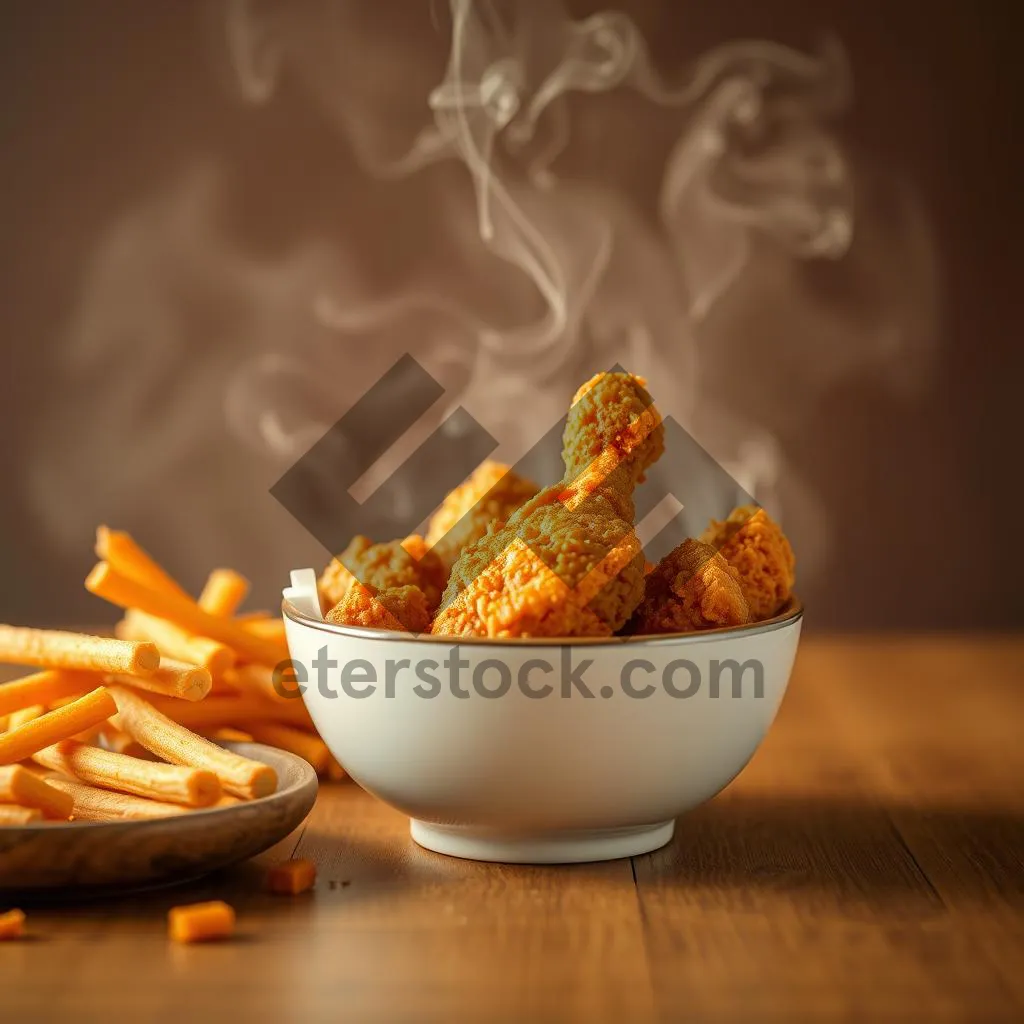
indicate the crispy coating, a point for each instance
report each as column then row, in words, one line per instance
column 552, row 572
column 691, row 588
column 381, row 567
column 568, row 562
column 755, row 546
column 393, row 608
column 489, row 496
column 613, row 432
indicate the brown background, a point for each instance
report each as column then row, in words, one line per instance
column 98, row 101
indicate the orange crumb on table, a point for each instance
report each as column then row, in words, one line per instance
column 12, row 925
column 291, row 877
column 201, row 922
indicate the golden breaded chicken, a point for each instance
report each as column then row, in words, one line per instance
column 567, row 563
column 394, row 608
column 755, row 546
column 490, row 495
column 379, row 569
column 691, row 588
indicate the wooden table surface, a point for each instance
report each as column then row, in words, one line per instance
column 866, row 865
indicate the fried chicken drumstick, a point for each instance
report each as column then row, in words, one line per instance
column 567, row 563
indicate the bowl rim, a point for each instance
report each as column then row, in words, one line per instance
column 792, row 613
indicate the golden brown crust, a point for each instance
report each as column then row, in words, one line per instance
column 568, row 562
column 382, row 567
column 553, row 572
column 612, row 419
column 755, row 546
column 691, row 588
column 489, row 496
column 393, row 608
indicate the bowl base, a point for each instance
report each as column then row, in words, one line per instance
column 574, row 847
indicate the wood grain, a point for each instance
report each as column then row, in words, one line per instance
column 868, row 864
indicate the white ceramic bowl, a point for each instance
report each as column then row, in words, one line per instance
column 542, row 779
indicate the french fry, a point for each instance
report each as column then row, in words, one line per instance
column 258, row 680
column 225, row 686
column 120, row 550
column 224, row 592
column 173, row 679
column 248, row 618
column 95, row 804
column 192, row 787
column 228, row 734
column 240, row 711
column 121, row 743
column 201, row 922
column 106, row 582
column 240, row 776
column 90, row 735
column 20, row 786
column 292, row 877
column 271, row 629
column 12, row 924
column 295, row 741
column 44, row 688
column 177, row 643
column 335, row 771
column 23, row 715
column 51, row 648
column 61, row 724
column 15, row 814
column 3, row 720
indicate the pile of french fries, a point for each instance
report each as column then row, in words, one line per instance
column 124, row 728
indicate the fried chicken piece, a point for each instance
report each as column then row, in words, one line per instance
column 489, row 496
column 567, row 563
column 693, row 587
column 612, row 422
column 755, row 546
column 378, row 570
column 394, row 608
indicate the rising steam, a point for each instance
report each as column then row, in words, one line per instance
column 752, row 159
column 575, row 207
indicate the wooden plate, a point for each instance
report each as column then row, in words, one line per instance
column 132, row 854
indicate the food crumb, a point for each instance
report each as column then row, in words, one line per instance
column 12, row 925
column 291, row 877
column 201, row 922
